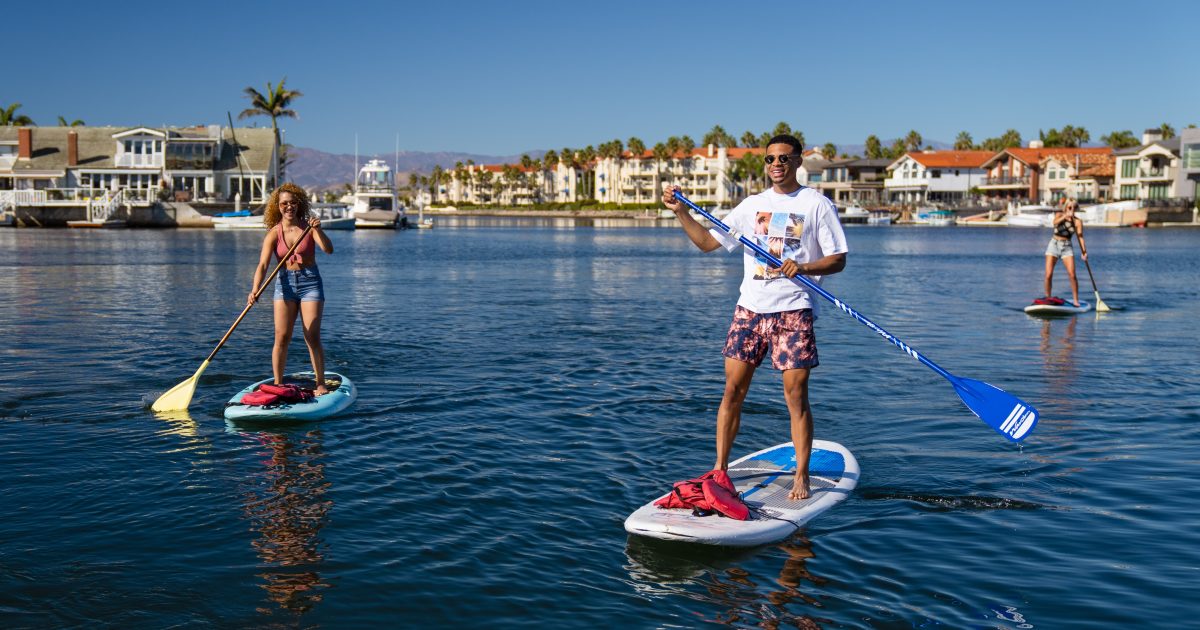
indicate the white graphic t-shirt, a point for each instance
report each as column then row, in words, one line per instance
column 802, row 226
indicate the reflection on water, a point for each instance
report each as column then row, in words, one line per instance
column 715, row 575
column 1057, row 347
column 287, row 508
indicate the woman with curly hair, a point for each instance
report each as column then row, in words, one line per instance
column 298, row 288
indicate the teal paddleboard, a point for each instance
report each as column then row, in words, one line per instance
column 342, row 394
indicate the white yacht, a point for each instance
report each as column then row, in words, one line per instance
column 880, row 216
column 334, row 216
column 854, row 214
column 1035, row 215
column 375, row 204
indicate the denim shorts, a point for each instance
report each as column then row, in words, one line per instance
column 789, row 334
column 299, row 285
column 1059, row 248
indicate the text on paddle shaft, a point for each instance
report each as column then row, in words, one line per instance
column 882, row 333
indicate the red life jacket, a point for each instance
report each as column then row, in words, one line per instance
column 1053, row 301
column 708, row 493
column 268, row 394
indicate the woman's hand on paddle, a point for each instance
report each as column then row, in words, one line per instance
column 251, row 298
column 314, row 222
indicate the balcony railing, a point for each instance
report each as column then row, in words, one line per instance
column 1154, row 173
column 1005, row 181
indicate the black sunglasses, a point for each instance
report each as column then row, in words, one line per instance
column 783, row 159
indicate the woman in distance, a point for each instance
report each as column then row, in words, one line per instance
column 1065, row 224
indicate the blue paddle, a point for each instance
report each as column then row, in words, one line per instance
column 1007, row 414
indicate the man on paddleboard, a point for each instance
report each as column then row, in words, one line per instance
column 799, row 226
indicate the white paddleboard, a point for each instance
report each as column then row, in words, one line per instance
column 1065, row 308
column 764, row 480
column 342, row 394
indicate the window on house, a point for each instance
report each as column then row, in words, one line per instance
column 1129, row 191
column 1129, row 168
column 935, row 173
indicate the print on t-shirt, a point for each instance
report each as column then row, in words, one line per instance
column 782, row 232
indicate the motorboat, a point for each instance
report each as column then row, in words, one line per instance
column 238, row 220
column 935, row 217
column 374, row 201
column 941, row 218
column 854, row 214
column 1032, row 215
column 1099, row 214
column 335, row 216
column 881, row 216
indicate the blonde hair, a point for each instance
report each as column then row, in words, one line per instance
column 272, row 216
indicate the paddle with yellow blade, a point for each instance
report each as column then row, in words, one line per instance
column 1101, row 307
column 180, row 396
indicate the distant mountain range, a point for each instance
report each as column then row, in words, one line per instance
column 319, row 170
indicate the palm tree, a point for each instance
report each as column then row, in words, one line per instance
column 62, row 122
column 550, row 163
column 873, row 148
column 913, row 140
column 717, row 136
column 1168, row 131
column 636, row 146
column 1010, row 139
column 275, row 104
column 749, row 140
column 830, row 150
column 636, row 149
column 783, row 129
column 661, row 154
column 963, row 142
column 1120, row 139
column 9, row 117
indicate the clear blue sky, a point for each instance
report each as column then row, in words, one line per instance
column 502, row 78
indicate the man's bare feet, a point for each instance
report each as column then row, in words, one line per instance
column 800, row 489
column 321, row 390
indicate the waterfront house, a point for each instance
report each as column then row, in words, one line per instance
column 1015, row 174
column 944, row 177
column 62, row 169
column 203, row 163
column 1150, row 173
column 1086, row 177
column 1189, row 164
column 854, row 181
column 811, row 171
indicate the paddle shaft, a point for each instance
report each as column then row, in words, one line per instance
column 822, row 292
column 258, row 292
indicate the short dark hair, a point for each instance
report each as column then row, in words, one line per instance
column 787, row 138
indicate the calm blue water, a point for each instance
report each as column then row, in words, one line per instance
column 525, row 386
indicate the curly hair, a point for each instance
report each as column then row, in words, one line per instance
column 272, row 216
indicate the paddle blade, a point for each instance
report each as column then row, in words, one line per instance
column 179, row 397
column 1101, row 307
column 1008, row 415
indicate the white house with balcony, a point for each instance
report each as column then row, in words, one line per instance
column 1150, row 172
column 921, row 177
column 1189, row 163
column 209, row 163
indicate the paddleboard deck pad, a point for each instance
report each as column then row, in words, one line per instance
column 1066, row 308
column 342, row 394
column 764, row 480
